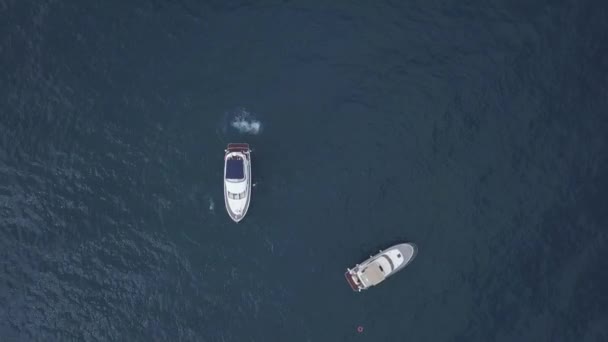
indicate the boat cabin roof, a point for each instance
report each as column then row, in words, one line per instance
column 235, row 168
column 372, row 274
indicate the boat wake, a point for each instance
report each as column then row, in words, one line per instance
column 211, row 204
column 244, row 122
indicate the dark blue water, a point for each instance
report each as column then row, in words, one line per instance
column 476, row 129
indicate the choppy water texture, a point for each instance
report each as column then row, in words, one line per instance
column 476, row 129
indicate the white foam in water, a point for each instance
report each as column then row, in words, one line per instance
column 245, row 124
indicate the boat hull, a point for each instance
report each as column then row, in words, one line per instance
column 237, row 208
column 407, row 251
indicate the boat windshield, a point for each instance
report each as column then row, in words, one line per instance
column 235, row 169
column 237, row 196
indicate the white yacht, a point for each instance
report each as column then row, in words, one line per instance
column 378, row 267
column 237, row 180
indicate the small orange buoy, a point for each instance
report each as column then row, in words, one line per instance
column 359, row 329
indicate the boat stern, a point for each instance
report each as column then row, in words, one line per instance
column 238, row 147
column 351, row 277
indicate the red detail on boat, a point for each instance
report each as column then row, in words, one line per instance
column 234, row 147
column 351, row 281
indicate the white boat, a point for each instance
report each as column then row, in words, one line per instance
column 237, row 180
column 378, row 267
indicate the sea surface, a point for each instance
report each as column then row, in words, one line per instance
column 476, row 129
